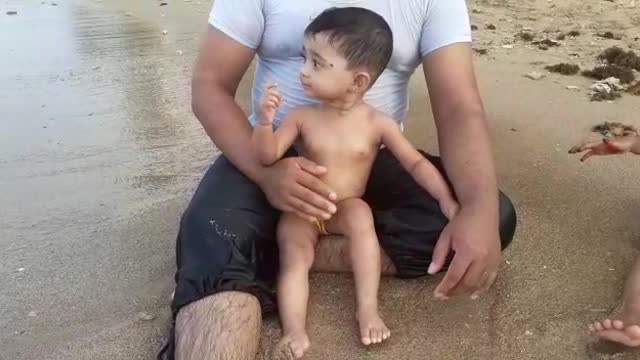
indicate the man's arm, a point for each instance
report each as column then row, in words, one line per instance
column 291, row 184
column 467, row 157
column 219, row 68
column 421, row 169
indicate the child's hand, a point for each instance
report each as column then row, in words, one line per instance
column 449, row 208
column 608, row 146
column 270, row 103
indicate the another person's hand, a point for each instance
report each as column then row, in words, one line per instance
column 608, row 146
column 474, row 238
column 292, row 185
column 269, row 104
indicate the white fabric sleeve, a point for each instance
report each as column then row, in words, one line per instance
column 242, row 20
column 447, row 22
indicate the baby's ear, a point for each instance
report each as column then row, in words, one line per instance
column 361, row 82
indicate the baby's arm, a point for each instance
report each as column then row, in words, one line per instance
column 268, row 145
column 421, row 169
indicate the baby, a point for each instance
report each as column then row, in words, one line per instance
column 345, row 51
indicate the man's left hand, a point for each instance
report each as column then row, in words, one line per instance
column 474, row 238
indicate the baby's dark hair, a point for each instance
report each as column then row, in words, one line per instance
column 363, row 37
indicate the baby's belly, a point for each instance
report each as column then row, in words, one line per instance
column 347, row 181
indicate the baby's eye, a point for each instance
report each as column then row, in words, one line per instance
column 316, row 64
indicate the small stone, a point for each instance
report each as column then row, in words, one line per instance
column 128, row 13
column 507, row 46
column 513, row 130
column 491, row 27
column 96, row 68
column 165, row 32
column 474, row 27
column 534, row 75
column 573, row 87
column 179, row 52
column 22, row 269
column 528, row 333
column 32, row 314
column 163, row 4
column 145, row 316
column 12, row 12
column 481, row 51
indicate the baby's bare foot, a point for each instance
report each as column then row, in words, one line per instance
column 372, row 328
column 622, row 326
column 291, row 346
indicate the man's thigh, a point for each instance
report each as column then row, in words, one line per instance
column 408, row 220
column 226, row 240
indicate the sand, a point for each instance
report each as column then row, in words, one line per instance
column 99, row 154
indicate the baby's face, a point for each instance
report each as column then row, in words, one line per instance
column 325, row 74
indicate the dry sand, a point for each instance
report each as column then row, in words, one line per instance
column 99, row 154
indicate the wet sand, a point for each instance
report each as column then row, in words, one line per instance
column 99, row 154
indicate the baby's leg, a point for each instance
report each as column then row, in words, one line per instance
column 623, row 325
column 354, row 220
column 296, row 240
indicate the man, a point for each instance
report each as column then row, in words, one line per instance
column 226, row 248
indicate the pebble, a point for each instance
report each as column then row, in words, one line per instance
column 573, row 87
column 507, row 46
column 179, row 52
column 32, row 314
column 528, row 333
column 165, row 32
column 128, row 13
column 534, row 75
column 12, row 13
column 20, row 269
column 145, row 316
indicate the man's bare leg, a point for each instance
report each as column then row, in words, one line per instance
column 224, row 326
column 623, row 325
column 333, row 256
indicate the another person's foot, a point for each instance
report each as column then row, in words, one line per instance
column 291, row 346
column 372, row 328
column 622, row 326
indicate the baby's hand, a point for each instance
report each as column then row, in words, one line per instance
column 270, row 103
column 449, row 208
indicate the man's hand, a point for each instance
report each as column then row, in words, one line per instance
column 474, row 238
column 292, row 185
column 608, row 146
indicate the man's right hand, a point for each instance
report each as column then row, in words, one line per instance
column 292, row 185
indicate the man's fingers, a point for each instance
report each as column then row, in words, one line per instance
column 310, row 212
column 489, row 280
column 440, row 253
column 455, row 273
column 323, row 207
column 311, row 182
column 471, row 281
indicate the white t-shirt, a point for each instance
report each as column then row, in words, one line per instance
column 275, row 28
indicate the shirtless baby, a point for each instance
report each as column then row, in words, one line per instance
column 345, row 51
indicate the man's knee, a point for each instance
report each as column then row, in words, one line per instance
column 508, row 220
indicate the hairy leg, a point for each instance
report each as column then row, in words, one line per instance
column 332, row 256
column 224, row 326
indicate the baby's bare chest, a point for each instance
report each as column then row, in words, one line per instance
column 340, row 142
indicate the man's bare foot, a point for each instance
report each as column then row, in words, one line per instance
column 372, row 328
column 291, row 346
column 622, row 326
